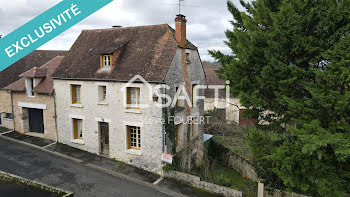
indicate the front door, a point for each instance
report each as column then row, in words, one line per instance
column 36, row 120
column 104, row 133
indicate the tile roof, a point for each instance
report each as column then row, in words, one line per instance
column 45, row 71
column 35, row 73
column 36, row 58
column 146, row 50
column 213, row 79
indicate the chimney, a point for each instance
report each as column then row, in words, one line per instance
column 180, row 29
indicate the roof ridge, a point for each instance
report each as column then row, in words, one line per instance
column 123, row 28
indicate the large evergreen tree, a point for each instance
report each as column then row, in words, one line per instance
column 292, row 58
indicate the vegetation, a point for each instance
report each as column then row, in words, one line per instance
column 224, row 175
column 235, row 144
column 292, row 58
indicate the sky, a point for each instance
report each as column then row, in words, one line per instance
column 207, row 20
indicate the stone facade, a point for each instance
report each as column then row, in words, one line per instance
column 113, row 112
column 188, row 72
column 21, row 104
column 5, row 107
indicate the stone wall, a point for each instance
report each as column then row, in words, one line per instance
column 196, row 182
column 279, row 193
column 5, row 101
column 5, row 107
column 91, row 111
column 22, row 116
column 192, row 73
column 242, row 165
column 8, row 123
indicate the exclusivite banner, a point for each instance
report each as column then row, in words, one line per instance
column 44, row 28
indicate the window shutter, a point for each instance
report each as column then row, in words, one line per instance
column 128, row 95
column 74, row 97
column 75, row 129
column 101, row 61
column 128, row 133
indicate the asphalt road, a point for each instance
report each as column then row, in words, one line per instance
column 83, row 181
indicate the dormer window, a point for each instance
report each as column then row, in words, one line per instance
column 106, row 61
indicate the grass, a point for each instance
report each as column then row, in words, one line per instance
column 225, row 176
column 235, row 144
column 229, row 177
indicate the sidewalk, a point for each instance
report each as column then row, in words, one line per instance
column 109, row 166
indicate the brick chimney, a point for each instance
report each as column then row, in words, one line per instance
column 180, row 29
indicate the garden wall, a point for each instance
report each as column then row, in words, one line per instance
column 237, row 162
column 196, row 182
column 242, row 165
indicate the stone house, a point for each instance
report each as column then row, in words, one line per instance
column 34, row 101
column 12, row 74
column 100, row 112
column 233, row 111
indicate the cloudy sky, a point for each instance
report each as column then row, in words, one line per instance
column 206, row 23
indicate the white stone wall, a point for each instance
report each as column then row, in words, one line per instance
column 118, row 117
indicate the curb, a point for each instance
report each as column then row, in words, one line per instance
column 116, row 174
column 28, row 182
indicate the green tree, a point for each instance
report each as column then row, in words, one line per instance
column 292, row 58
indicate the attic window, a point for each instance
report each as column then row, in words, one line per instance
column 106, row 61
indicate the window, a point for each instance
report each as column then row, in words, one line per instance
column 133, row 97
column 134, row 137
column 177, row 135
column 76, row 94
column 8, row 116
column 179, row 91
column 106, row 61
column 102, row 93
column 30, row 87
column 188, row 61
column 77, row 129
column 177, row 99
column 194, row 93
column 195, row 125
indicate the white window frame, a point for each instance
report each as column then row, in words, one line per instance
column 102, row 93
column 107, row 60
column 134, row 101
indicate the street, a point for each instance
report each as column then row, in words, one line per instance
column 47, row 168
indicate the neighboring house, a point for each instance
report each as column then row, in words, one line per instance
column 91, row 89
column 232, row 112
column 34, row 101
column 11, row 75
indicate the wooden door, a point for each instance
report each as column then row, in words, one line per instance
column 104, row 133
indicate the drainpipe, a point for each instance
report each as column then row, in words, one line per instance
column 54, row 103
column 13, row 112
column 163, row 129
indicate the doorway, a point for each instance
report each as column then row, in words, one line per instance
column 104, row 138
column 36, row 120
